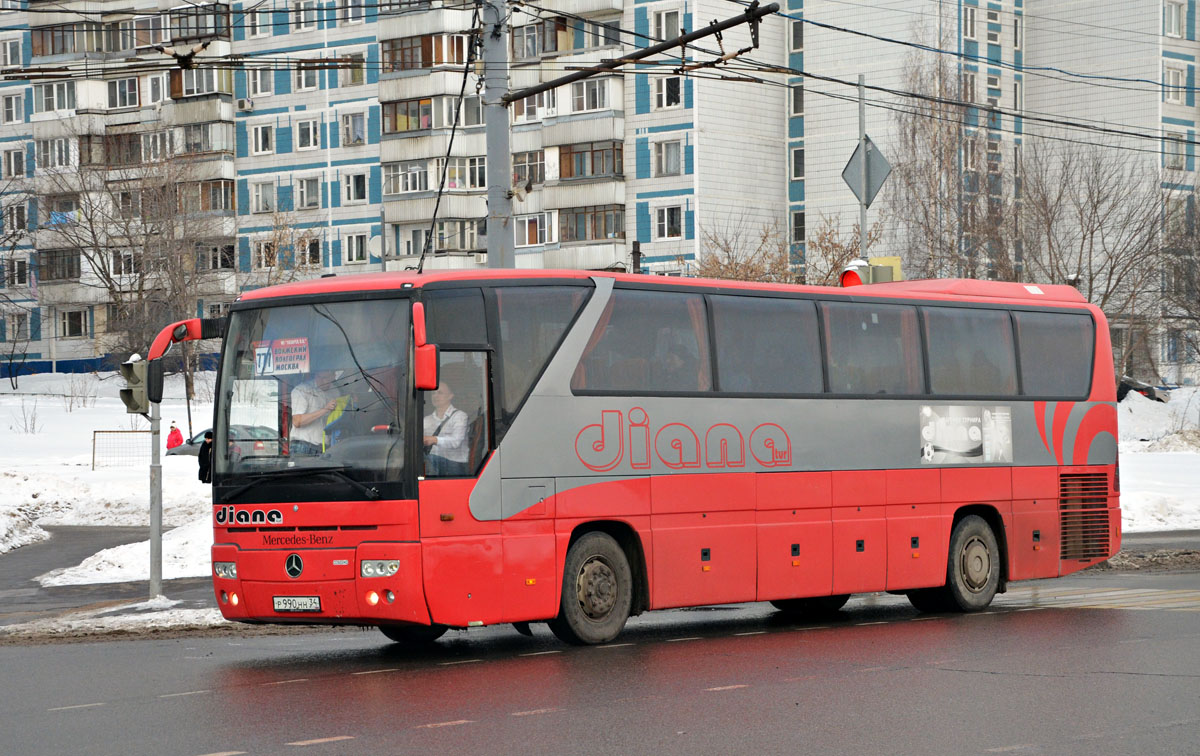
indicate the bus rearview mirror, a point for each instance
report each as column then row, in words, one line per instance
column 425, row 367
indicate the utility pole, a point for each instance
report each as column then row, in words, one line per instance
column 501, row 251
column 155, row 504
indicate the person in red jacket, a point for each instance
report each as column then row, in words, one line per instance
column 174, row 438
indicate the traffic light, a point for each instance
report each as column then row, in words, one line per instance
column 143, row 384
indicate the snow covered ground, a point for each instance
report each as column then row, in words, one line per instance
column 46, row 475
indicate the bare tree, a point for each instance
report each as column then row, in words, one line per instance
column 741, row 252
column 17, row 300
column 829, row 250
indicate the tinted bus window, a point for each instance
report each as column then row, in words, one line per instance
column 970, row 352
column 872, row 348
column 1056, row 353
column 532, row 322
column 455, row 316
column 767, row 346
column 647, row 342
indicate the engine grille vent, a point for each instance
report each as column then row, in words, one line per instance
column 1083, row 515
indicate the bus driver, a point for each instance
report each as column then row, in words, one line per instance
column 311, row 404
column 445, row 435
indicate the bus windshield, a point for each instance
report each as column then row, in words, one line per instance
column 318, row 386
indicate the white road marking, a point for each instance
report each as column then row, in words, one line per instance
column 727, row 687
column 376, row 671
column 464, row 661
column 615, row 645
column 753, row 632
column 680, row 640
column 77, row 706
column 225, row 753
column 540, row 653
column 861, row 624
column 444, row 724
column 185, row 693
column 533, row 712
column 285, row 682
column 318, row 741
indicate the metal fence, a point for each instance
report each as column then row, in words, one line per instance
column 120, row 448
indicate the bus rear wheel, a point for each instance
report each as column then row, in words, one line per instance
column 816, row 606
column 597, row 591
column 972, row 571
column 413, row 635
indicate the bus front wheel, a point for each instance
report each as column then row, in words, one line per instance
column 597, row 591
column 413, row 635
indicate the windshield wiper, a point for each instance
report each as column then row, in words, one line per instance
column 336, row 471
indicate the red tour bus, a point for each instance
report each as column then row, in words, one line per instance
column 460, row 449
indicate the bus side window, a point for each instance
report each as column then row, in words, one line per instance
column 767, row 346
column 1056, row 353
column 873, row 348
column 970, row 351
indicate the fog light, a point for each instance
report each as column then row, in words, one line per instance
column 227, row 570
column 379, row 567
column 233, row 599
column 389, row 596
column 372, row 598
column 224, row 597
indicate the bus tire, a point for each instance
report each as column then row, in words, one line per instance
column 814, row 606
column 973, row 569
column 413, row 635
column 597, row 591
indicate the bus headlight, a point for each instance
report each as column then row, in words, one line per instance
column 379, row 567
column 227, row 570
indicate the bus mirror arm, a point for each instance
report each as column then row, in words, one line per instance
column 186, row 330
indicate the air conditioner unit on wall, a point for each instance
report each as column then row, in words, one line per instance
column 245, row 104
column 481, row 258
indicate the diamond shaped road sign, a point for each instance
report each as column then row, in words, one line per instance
column 878, row 169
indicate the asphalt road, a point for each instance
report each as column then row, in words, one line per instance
column 1099, row 663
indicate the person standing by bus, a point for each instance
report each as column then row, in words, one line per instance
column 205, row 458
column 445, row 435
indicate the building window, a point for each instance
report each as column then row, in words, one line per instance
column 306, row 15
column 309, row 254
column 527, row 41
column 307, row 76
column 124, row 262
column 156, row 146
column 264, row 139
column 464, row 173
column 199, row 81
column 207, row 20
column 1173, row 151
column 354, row 188
column 355, row 72
column 591, row 94
column 260, row 82
column 666, row 24
column 1018, row 95
column 10, row 53
column 308, row 193
column 258, row 23
column 14, row 164
column 356, row 248
column 58, row 265
column 263, row 197
column 797, row 35
column 968, row 87
column 402, row 178
column 532, row 230
column 668, row 158
column 798, row 226
column 993, row 29
column 123, row 93
column 354, row 12
column 57, row 96
column 19, row 325
column 215, row 256
column 667, row 92
column 529, row 168
column 535, row 107
column 264, row 256
column 1173, row 83
column 796, row 99
column 668, row 222
column 592, row 223
column 15, row 218
column 354, row 129
column 53, row 153
column 197, row 137
column 797, row 163
column 307, row 135
column 407, row 115
column 17, row 273
column 600, row 34
column 968, row 22
column 14, row 108
column 590, row 159
column 1173, row 19
column 157, row 89
column 1018, row 31
column 72, row 323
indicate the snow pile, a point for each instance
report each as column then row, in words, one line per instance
column 1141, row 420
column 185, row 554
column 148, row 616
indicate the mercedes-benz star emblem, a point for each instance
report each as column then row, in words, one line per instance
column 294, row 565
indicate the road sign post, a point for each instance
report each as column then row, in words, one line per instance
column 142, row 395
column 866, row 170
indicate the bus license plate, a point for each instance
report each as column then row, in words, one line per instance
column 297, row 603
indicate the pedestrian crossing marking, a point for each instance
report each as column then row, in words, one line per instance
column 1149, row 599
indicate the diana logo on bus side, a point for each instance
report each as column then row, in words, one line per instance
column 601, row 446
column 229, row 515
